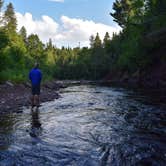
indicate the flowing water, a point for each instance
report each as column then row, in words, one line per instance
column 87, row 126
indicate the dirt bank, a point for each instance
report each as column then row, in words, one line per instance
column 152, row 78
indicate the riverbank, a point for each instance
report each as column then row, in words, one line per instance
column 150, row 78
column 15, row 96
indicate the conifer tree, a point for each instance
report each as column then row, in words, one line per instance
column 35, row 47
column 91, row 39
column 1, row 4
column 128, row 12
column 23, row 34
column 106, row 40
column 10, row 19
column 97, row 41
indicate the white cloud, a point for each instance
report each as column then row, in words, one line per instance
column 46, row 27
column 68, row 32
column 56, row 0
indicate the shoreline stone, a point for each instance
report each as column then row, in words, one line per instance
column 15, row 96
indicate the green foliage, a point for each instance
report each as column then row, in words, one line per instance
column 126, row 51
column 92, row 40
column 139, row 19
column 128, row 12
column 4, row 39
column 122, row 12
column 34, row 46
column 10, row 19
column 97, row 41
column 13, row 75
column 1, row 3
column 23, row 34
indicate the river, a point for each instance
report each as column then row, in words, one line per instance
column 87, row 126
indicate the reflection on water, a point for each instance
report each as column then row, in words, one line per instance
column 6, row 128
column 35, row 124
column 88, row 126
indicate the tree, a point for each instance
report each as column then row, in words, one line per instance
column 35, row 47
column 4, row 41
column 10, row 19
column 92, row 40
column 1, row 4
column 96, row 57
column 50, row 52
column 23, row 34
column 106, row 40
column 156, row 7
column 50, row 45
column 97, row 41
column 122, row 12
column 128, row 12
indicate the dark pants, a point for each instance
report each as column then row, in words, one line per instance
column 36, row 89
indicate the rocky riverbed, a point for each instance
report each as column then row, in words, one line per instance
column 15, row 96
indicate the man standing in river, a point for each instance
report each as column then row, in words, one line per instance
column 35, row 76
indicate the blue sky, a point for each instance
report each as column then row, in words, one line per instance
column 64, row 16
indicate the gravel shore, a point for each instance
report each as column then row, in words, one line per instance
column 15, row 96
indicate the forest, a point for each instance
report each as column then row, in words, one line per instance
column 133, row 52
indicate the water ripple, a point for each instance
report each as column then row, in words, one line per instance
column 88, row 125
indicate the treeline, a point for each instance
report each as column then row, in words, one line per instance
column 137, row 48
column 19, row 52
column 129, row 51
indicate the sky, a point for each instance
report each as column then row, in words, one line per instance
column 68, row 23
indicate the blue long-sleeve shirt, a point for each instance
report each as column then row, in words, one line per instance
column 35, row 76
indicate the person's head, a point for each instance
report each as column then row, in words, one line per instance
column 36, row 65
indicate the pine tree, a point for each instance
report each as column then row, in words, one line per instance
column 49, row 44
column 156, row 7
column 4, row 40
column 121, row 14
column 1, row 4
column 97, row 41
column 23, row 34
column 92, row 40
column 106, row 40
column 35, row 47
column 128, row 12
column 10, row 19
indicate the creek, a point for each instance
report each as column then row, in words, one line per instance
column 88, row 125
